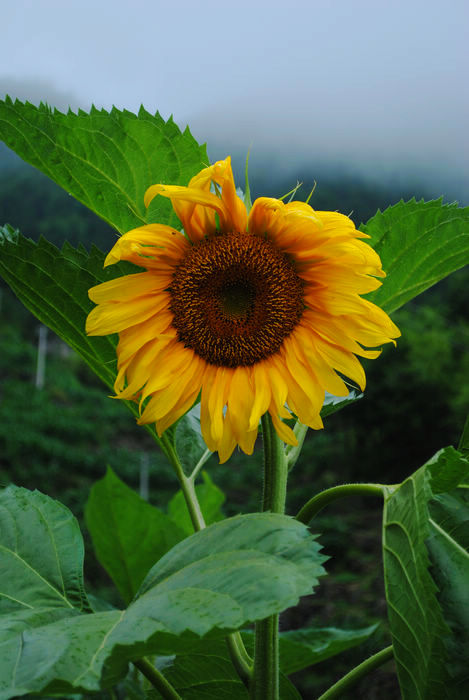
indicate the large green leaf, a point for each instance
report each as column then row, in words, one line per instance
column 419, row 244
column 129, row 535
column 105, row 160
column 41, row 554
column 419, row 618
column 448, row 546
column 53, row 284
column 216, row 580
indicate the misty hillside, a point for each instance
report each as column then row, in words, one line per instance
column 33, row 203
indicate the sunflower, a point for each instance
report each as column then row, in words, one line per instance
column 254, row 313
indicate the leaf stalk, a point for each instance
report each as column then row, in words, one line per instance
column 322, row 499
column 356, row 674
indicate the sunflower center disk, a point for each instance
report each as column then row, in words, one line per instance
column 235, row 298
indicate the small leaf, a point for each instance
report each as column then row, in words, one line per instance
column 106, row 160
column 210, row 498
column 41, row 548
column 419, row 243
column 129, row 535
column 447, row 470
column 332, row 404
column 188, row 440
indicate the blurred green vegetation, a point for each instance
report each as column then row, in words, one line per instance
column 60, row 438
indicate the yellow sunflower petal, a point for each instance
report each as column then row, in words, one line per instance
column 239, row 402
column 150, row 246
column 345, row 362
column 168, row 399
column 303, row 347
column 217, row 400
column 138, row 368
column 284, row 432
column 113, row 318
column 262, row 394
column 129, row 287
column 223, row 176
column 228, row 442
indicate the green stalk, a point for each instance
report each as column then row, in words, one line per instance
column 239, row 656
column 356, row 674
column 318, row 502
column 265, row 680
column 157, row 679
column 187, row 485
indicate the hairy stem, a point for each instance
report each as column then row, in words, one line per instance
column 265, row 681
column 318, row 502
column 356, row 674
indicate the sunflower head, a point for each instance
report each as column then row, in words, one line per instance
column 254, row 313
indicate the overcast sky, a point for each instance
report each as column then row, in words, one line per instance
column 373, row 84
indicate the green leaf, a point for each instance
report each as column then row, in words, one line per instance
column 53, row 284
column 214, row 581
column 188, row 441
column 415, row 617
column 129, row 535
column 419, row 243
column 41, row 548
column 205, row 672
column 448, row 546
column 305, row 647
column 244, row 548
column 61, row 657
column 105, row 160
column 210, row 498
column 464, row 441
column 447, row 470
column 424, row 623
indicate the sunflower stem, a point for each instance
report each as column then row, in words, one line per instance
column 265, row 681
column 356, row 674
column 321, row 500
